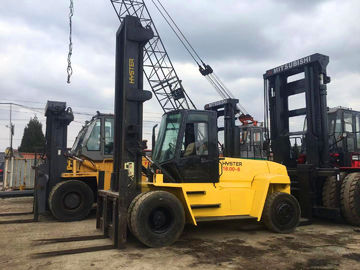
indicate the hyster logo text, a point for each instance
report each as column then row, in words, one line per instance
column 292, row 64
column 131, row 70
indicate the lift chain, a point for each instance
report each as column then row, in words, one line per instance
column 69, row 68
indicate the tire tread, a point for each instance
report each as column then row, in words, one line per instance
column 267, row 213
column 51, row 201
column 329, row 193
column 347, row 196
column 134, row 222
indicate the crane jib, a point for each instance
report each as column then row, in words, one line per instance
column 158, row 68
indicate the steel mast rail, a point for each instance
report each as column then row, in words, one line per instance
column 158, row 68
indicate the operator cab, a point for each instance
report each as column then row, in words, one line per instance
column 252, row 139
column 186, row 146
column 344, row 136
column 96, row 139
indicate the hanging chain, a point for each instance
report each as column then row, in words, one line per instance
column 69, row 68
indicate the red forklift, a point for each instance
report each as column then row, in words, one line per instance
column 322, row 158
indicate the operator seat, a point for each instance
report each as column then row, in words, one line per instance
column 190, row 150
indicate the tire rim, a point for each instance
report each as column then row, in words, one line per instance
column 160, row 220
column 284, row 213
column 72, row 200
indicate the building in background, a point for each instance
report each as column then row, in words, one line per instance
column 18, row 172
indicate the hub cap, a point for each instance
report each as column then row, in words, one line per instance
column 160, row 220
column 72, row 200
column 284, row 213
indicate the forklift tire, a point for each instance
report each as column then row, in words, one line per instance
column 131, row 207
column 330, row 195
column 350, row 198
column 71, row 200
column 157, row 219
column 281, row 213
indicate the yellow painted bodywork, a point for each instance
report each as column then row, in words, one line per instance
column 87, row 169
column 242, row 189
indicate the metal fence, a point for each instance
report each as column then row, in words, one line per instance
column 19, row 173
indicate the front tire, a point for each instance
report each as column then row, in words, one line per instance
column 281, row 213
column 157, row 219
column 130, row 209
column 71, row 200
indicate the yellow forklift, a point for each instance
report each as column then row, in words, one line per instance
column 70, row 191
column 67, row 181
column 188, row 182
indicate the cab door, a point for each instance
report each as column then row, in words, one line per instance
column 198, row 160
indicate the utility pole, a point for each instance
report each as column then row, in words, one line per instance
column 11, row 126
column 11, row 131
column 11, row 147
column 11, row 152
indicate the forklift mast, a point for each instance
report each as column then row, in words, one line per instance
column 245, row 141
column 129, row 97
column 58, row 117
column 277, row 92
column 308, row 164
column 128, row 144
column 227, row 108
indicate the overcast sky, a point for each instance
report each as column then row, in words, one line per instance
column 241, row 39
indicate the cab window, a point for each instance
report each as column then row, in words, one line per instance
column 244, row 137
column 166, row 144
column 257, row 137
column 93, row 143
column 338, row 127
column 338, row 132
column 332, row 126
column 348, row 122
column 196, row 140
column 109, row 136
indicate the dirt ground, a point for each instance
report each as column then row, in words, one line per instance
column 215, row 245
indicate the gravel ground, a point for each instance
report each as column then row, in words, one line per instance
column 214, row 245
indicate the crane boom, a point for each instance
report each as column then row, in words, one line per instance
column 158, row 68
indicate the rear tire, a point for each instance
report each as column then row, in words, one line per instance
column 71, row 200
column 281, row 213
column 350, row 198
column 157, row 219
